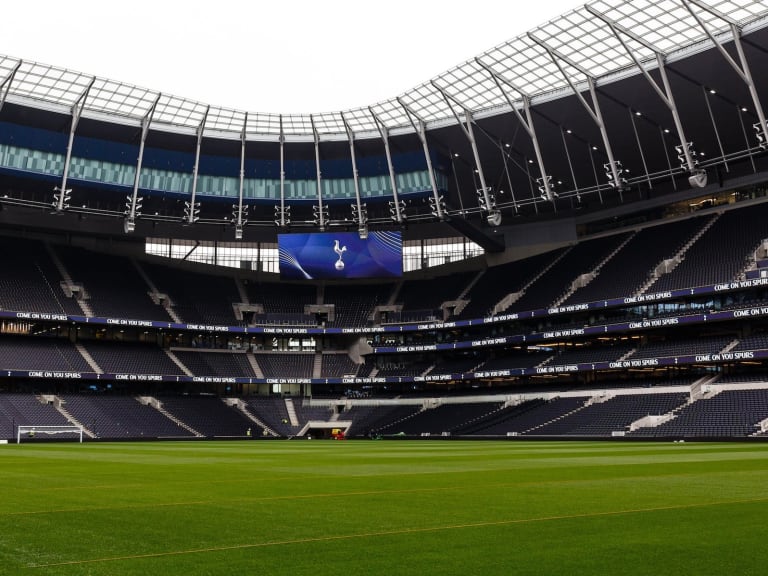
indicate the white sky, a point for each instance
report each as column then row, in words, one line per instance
column 286, row 56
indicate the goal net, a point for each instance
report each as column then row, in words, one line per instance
column 27, row 433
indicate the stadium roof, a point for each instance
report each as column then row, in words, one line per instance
column 580, row 43
column 616, row 108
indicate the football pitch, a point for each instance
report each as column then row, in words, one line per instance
column 383, row 508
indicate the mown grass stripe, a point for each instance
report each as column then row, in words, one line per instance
column 398, row 532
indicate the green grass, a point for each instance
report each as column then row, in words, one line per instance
column 383, row 508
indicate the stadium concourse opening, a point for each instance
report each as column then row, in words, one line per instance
column 565, row 236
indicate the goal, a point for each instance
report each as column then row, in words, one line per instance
column 24, row 432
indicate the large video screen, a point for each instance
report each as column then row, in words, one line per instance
column 329, row 255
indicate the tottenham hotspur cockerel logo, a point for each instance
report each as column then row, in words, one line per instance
column 340, row 251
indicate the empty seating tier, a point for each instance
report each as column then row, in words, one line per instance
column 30, row 281
column 113, row 284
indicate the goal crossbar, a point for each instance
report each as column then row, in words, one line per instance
column 27, row 431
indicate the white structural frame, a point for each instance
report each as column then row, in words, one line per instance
column 668, row 24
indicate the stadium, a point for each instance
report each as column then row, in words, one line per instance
column 564, row 238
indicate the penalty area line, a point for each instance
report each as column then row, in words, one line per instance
column 398, row 532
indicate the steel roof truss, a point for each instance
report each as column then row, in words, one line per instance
column 362, row 220
column 62, row 195
column 320, row 208
column 384, row 132
column 526, row 122
column 5, row 85
column 191, row 215
column 282, row 217
column 742, row 70
column 239, row 217
column 612, row 167
column 486, row 200
column 420, row 128
column 133, row 208
column 697, row 177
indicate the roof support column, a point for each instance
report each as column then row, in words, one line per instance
column 133, row 206
column 527, row 124
column 397, row 209
column 421, row 130
column 697, row 178
column 358, row 209
column 743, row 71
column 320, row 209
column 5, row 85
column 546, row 179
column 282, row 213
column 613, row 168
column 62, row 194
column 486, row 200
column 240, row 211
column 192, row 208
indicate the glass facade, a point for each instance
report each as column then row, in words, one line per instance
column 436, row 251
column 118, row 174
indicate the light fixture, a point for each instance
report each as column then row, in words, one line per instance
column 712, row 91
column 638, row 113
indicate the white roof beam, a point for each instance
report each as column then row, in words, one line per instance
column 594, row 111
column 697, row 178
column 240, row 216
column 5, row 85
column 526, row 122
column 132, row 209
column 384, row 132
column 742, row 70
column 62, row 198
column 362, row 220
column 191, row 215
column 320, row 208
column 420, row 128
column 283, row 219
column 487, row 203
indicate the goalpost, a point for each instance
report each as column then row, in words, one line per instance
column 30, row 432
